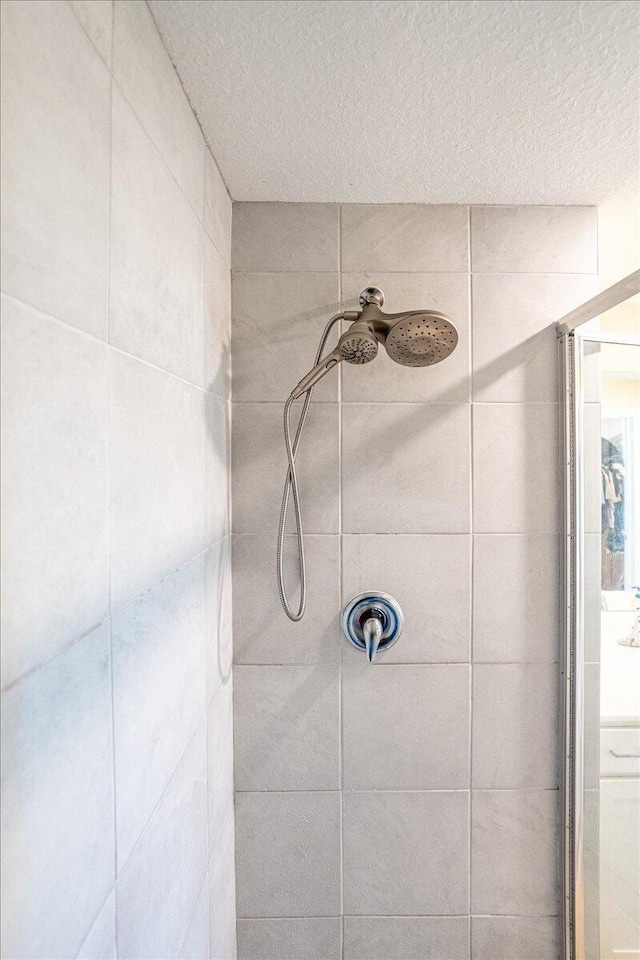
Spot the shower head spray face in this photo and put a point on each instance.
(358, 344)
(421, 339)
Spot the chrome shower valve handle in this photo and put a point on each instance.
(372, 621)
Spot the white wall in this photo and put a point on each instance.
(410, 808)
(116, 700)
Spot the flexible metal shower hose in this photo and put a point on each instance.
(291, 487)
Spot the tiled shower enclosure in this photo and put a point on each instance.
(407, 809)
(404, 810)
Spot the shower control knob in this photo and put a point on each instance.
(371, 295)
(372, 621)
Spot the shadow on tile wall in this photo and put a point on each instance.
(117, 812)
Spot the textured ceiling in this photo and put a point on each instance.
(459, 101)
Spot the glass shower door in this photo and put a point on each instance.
(603, 652)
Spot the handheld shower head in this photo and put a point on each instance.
(417, 338)
(358, 345)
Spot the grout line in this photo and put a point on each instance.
(401, 403)
(191, 107)
(116, 613)
(471, 558)
(108, 484)
(112, 893)
(42, 314)
(387, 533)
(205, 880)
(427, 272)
(340, 593)
(412, 916)
(199, 217)
(400, 663)
(353, 791)
(143, 830)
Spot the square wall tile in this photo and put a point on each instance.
(517, 587)
(217, 322)
(159, 888)
(217, 208)
(55, 165)
(385, 380)
(222, 894)
(406, 726)
(315, 938)
(430, 577)
(287, 728)
(55, 569)
(260, 467)
(516, 474)
(406, 853)
(515, 344)
(100, 943)
(405, 237)
(514, 853)
(534, 239)
(220, 760)
(158, 693)
(262, 632)
(285, 236)
(515, 725)
(218, 616)
(528, 938)
(155, 309)
(419, 481)
(96, 16)
(217, 463)
(288, 854)
(58, 840)
(406, 938)
(278, 319)
(144, 72)
(156, 475)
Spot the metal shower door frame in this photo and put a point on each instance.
(572, 342)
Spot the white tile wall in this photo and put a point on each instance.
(159, 693)
(442, 487)
(101, 940)
(55, 571)
(156, 468)
(58, 852)
(116, 619)
(163, 878)
(156, 255)
(55, 165)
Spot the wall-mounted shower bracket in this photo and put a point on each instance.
(371, 295)
(372, 621)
